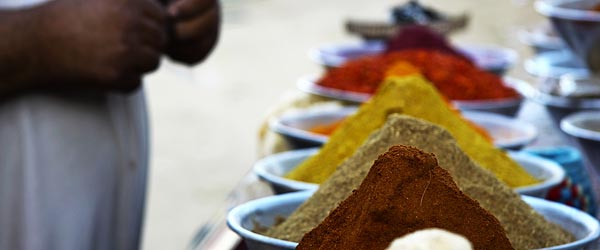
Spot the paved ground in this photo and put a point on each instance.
(205, 119)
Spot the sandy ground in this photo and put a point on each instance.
(205, 119)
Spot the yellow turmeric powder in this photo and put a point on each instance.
(410, 95)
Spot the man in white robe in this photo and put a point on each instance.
(73, 124)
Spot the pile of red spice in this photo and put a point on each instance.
(454, 77)
(405, 191)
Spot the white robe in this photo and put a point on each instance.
(73, 169)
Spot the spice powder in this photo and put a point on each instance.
(405, 191)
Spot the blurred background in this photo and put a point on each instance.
(205, 120)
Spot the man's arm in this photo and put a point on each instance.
(74, 44)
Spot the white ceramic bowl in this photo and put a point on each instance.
(273, 168)
(266, 211)
(492, 58)
(585, 128)
(507, 106)
(507, 132)
(295, 127)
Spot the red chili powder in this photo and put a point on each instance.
(405, 191)
(454, 77)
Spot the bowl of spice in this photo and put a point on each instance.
(415, 97)
(492, 58)
(309, 127)
(404, 151)
(585, 128)
(250, 220)
(454, 76)
(274, 168)
(509, 105)
(312, 127)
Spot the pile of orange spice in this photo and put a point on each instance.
(455, 77)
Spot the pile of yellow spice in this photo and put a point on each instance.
(410, 95)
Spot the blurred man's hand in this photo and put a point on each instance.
(195, 29)
(106, 44)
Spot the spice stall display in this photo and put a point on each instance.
(410, 95)
(525, 228)
(413, 193)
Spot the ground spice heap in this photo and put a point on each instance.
(410, 95)
(455, 77)
(525, 228)
(405, 191)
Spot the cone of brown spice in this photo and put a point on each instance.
(405, 191)
(525, 228)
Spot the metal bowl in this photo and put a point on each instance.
(272, 169)
(585, 128)
(558, 107)
(295, 127)
(577, 25)
(266, 211)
